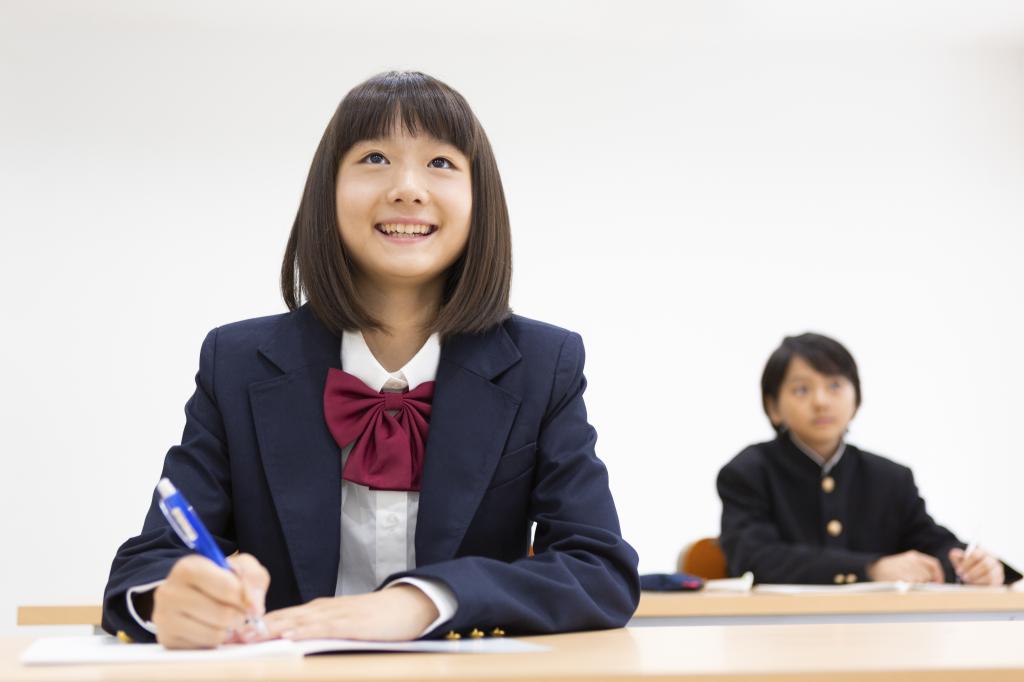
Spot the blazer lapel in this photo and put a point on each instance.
(299, 455)
(469, 424)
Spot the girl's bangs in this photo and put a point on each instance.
(414, 101)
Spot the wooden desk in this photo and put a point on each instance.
(697, 608)
(886, 652)
(60, 615)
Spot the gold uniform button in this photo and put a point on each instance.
(124, 637)
(834, 528)
(838, 579)
(851, 578)
(828, 484)
(497, 632)
(453, 635)
(476, 634)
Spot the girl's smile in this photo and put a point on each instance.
(405, 230)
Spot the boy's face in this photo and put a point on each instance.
(816, 407)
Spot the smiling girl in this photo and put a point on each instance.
(808, 507)
(378, 456)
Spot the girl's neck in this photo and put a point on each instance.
(405, 313)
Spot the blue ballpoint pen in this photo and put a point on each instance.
(185, 522)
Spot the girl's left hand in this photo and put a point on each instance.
(978, 568)
(396, 613)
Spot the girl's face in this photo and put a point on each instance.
(404, 206)
(816, 407)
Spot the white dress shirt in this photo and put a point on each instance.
(378, 527)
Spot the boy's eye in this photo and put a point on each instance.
(800, 390)
(375, 158)
(441, 162)
(834, 385)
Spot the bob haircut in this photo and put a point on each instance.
(824, 354)
(316, 265)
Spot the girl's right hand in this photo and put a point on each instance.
(201, 606)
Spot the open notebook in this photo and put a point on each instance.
(107, 649)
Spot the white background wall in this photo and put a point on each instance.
(688, 181)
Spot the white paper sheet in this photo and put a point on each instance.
(856, 588)
(107, 649)
(732, 585)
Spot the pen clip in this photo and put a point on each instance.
(176, 517)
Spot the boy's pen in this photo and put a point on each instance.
(193, 533)
(971, 546)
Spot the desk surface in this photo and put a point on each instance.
(703, 604)
(697, 604)
(909, 652)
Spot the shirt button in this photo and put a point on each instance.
(828, 484)
(834, 528)
(391, 520)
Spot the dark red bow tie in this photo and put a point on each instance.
(389, 430)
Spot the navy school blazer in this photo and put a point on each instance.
(509, 445)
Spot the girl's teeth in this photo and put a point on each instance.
(401, 228)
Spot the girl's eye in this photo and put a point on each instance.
(440, 162)
(800, 390)
(375, 158)
(834, 386)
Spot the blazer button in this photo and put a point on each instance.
(497, 632)
(453, 635)
(838, 579)
(828, 484)
(476, 634)
(834, 528)
(851, 578)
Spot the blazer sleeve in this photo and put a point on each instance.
(583, 575)
(752, 542)
(198, 467)
(925, 535)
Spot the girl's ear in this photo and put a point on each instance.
(772, 406)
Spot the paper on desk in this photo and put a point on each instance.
(857, 588)
(740, 584)
(852, 588)
(106, 649)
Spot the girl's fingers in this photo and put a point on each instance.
(200, 608)
(206, 577)
(255, 581)
(185, 632)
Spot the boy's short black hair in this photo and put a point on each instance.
(824, 354)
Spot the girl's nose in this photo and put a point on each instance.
(408, 188)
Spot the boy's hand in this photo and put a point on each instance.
(201, 605)
(393, 614)
(911, 566)
(977, 568)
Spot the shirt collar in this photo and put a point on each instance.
(826, 465)
(357, 360)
